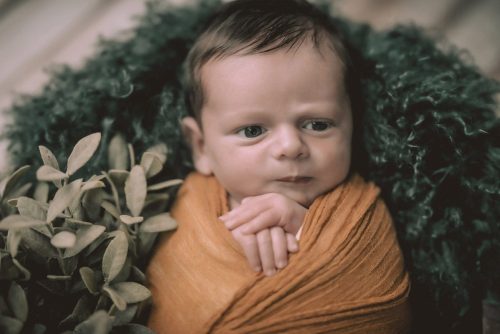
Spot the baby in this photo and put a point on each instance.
(271, 130)
(271, 118)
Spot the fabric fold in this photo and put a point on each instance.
(348, 276)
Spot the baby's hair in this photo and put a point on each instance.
(258, 26)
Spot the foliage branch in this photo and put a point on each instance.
(71, 255)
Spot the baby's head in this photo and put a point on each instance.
(270, 111)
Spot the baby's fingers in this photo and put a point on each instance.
(250, 248)
(292, 243)
(280, 249)
(266, 252)
(264, 220)
(239, 216)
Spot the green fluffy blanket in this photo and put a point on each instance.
(429, 133)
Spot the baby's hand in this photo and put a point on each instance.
(265, 226)
(260, 212)
(266, 250)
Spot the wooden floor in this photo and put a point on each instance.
(35, 34)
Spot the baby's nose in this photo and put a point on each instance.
(289, 144)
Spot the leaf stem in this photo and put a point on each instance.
(114, 191)
(132, 155)
(112, 310)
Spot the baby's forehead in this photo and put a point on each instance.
(279, 80)
(324, 51)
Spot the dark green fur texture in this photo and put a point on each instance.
(429, 133)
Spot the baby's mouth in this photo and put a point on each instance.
(296, 179)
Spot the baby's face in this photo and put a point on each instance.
(276, 122)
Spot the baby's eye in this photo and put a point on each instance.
(317, 125)
(251, 131)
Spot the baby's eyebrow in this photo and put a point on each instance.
(252, 113)
(320, 108)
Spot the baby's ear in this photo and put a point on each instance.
(194, 136)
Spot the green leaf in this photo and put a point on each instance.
(136, 190)
(12, 202)
(30, 208)
(13, 241)
(165, 185)
(82, 152)
(129, 220)
(131, 154)
(118, 176)
(161, 150)
(132, 292)
(115, 256)
(111, 208)
(158, 223)
(157, 200)
(124, 273)
(63, 198)
(118, 153)
(92, 203)
(94, 184)
(18, 302)
(10, 325)
(146, 243)
(59, 277)
(41, 193)
(95, 245)
(38, 243)
(48, 157)
(137, 275)
(22, 269)
(43, 229)
(89, 279)
(12, 181)
(75, 207)
(98, 323)
(48, 173)
(22, 190)
(64, 239)
(19, 222)
(126, 316)
(151, 163)
(76, 223)
(84, 237)
(119, 302)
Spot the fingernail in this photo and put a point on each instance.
(270, 272)
(256, 268)
(281, 264)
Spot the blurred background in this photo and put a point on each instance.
(38, 34)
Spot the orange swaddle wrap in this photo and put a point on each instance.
(347, 277)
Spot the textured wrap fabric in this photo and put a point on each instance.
(348, 276)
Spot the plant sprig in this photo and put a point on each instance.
(95, 230)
